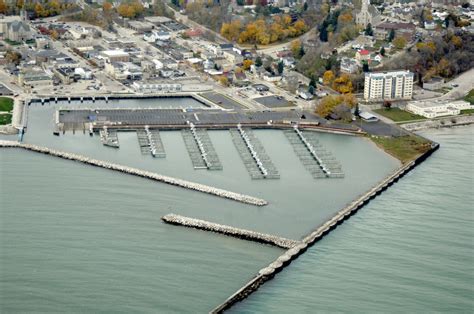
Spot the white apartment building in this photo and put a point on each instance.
(388, 85)
(434, 109)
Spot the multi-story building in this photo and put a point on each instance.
(388, 85)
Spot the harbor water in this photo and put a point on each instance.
(409, 250)
(77, 238)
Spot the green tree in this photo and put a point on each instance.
(281, 67)
(365, 66)
(258, 61)
(391, 35)
(382, 51)
(368, 30)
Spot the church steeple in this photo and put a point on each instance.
(365, 5)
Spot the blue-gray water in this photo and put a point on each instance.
(410, 250)
(78, 238)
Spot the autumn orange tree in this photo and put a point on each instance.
(246, 64)
(328, 103)
(328, 77)
(3, 7)
(342, 84)
(262, 31)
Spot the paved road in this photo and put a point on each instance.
(465, 82)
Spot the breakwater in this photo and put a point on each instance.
(229, 231)
(288, 256)
(141, 173)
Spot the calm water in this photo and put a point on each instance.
(409, 250)
(75, 238)
(78, 238)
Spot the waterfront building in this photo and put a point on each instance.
(434, 109)
(158, 87)
(388, 85)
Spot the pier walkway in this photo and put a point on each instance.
(200, 149)
(246, 199)
(253, 154)
(150, 142)
(319, 162)
(229, 231)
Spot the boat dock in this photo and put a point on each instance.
(319, 162)
(200, 148)
(229, 231)
(242, 198)
(253, 154)
(109, 137)
(150, 142)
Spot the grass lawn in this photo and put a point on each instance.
(404, 148)
(5, 118)
(470, 97)
(397, 115)
(6, 104)
(467, 111)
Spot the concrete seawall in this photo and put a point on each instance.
(229, 231)
(141, 173)
(444, 122)
(286, 258)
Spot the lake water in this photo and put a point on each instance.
(78, 238)
(409, 250)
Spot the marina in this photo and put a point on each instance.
(285, 259)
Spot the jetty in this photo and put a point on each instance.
(246, 199)
(229, 231)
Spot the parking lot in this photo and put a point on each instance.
(274, 102)
(222, 101)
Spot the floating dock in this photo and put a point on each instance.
(200, 149)
(253, 154)
(109, 137)
(246, 199)
(229, 231)
(150, 142)
(319, 162)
